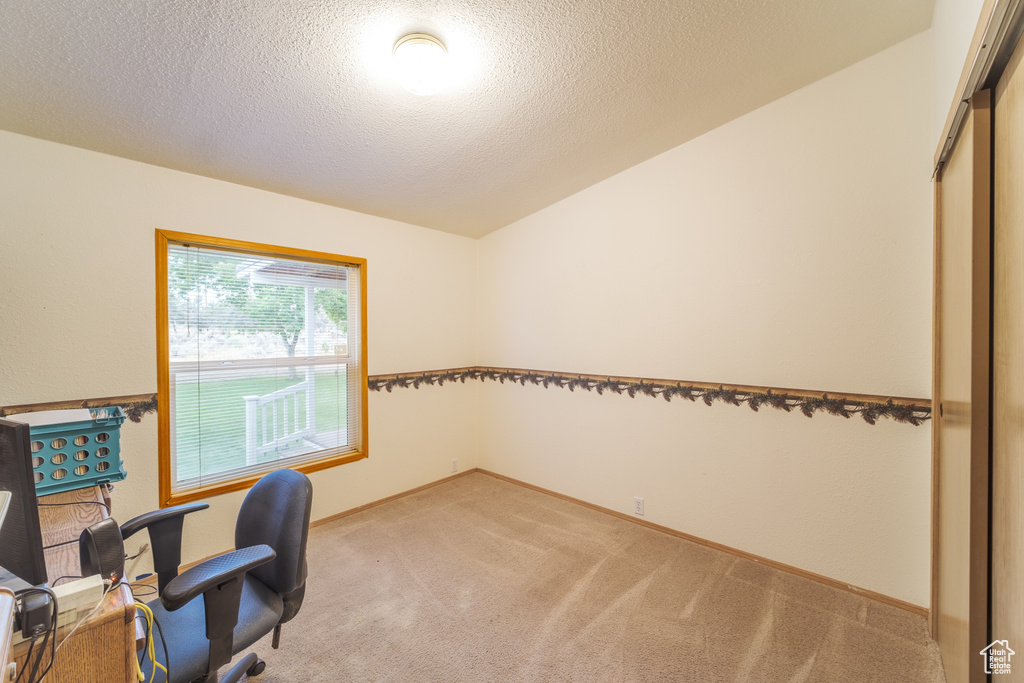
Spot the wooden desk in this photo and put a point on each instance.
(103, 648)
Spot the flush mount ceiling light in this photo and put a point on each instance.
(421, 63)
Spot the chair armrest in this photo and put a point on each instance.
(212, 574)
(148, 519)
(165, 536)
(219, 581)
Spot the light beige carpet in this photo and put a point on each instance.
(481, 580)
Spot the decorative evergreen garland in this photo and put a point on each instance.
(910, 412)
(134, 407)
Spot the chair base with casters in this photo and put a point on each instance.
(246, 594)
(251, 665)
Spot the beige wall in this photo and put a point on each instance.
(77, 311)
(953, 25)
(790, 247)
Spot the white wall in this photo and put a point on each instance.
(953, 25)
(77, 311)
(792, 248)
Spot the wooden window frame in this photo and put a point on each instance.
(164, 239)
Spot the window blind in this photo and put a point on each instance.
(264, 362)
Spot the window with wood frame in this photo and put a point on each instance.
(262, 362)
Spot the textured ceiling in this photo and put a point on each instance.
(295, 96)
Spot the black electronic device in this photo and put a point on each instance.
(101, 551)
(21, 540)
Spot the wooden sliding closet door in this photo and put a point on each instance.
(961, 398)
(1008, 365)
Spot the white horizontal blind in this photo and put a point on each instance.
(264, 363)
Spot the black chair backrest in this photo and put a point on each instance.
(276, 512)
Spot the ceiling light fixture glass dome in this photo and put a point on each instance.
(421, 63)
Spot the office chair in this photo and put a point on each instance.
(246, 593)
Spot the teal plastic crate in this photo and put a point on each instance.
(73, 455)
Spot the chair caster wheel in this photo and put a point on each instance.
(256, 669)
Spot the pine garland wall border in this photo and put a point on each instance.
(133, 405)
(871, 408)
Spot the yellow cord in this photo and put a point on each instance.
(150, 646)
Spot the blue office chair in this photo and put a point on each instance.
(246, 593)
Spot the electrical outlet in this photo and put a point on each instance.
(638, 506)
(455, 464)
